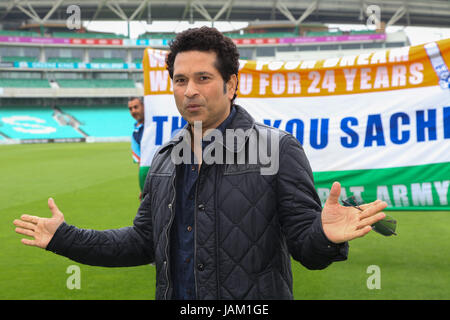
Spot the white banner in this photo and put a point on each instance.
(379, 122)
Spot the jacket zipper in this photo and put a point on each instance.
(217, 234)
(195, 234)
(171, 208)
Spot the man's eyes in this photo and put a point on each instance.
(201, 78)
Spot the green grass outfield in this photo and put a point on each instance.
(96, 187)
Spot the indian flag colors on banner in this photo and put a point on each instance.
(379, 123)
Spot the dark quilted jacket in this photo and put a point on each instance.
(247, 225)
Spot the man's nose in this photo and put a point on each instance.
(191, 90)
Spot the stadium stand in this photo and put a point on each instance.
(25, 122)
(24, 83)
(107, 60)
(156, 36)
(114, 119)
(17, 33)
(32, 122)
(262, 35)
(96, 83)
(19, 58)
(64, 60)
(323, 33)
(87, 35)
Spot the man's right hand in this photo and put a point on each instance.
(41, 229)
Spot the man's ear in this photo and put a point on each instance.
(231, 86)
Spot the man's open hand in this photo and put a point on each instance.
(342, 224)
(41, 229)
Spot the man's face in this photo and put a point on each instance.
(199, 89)
(136, 110)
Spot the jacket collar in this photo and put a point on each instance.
(241, 120)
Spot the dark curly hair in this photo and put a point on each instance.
(207, 39)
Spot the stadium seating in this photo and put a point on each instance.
(362, 32)
(323, 33)
(102, 121)
(19, 58)
(24, 122)
(33, 123)
(64, 60)
(96, 83)
(156, 36)
(107, 60)
(261, 35)
(88, 35)
(24, 83)
(18, 33)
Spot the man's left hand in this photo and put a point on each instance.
(342, 224)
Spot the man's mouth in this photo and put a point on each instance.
(193, 107)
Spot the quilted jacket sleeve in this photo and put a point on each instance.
(300, 210)
(124, 247)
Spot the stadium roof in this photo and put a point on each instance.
(433, 13)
